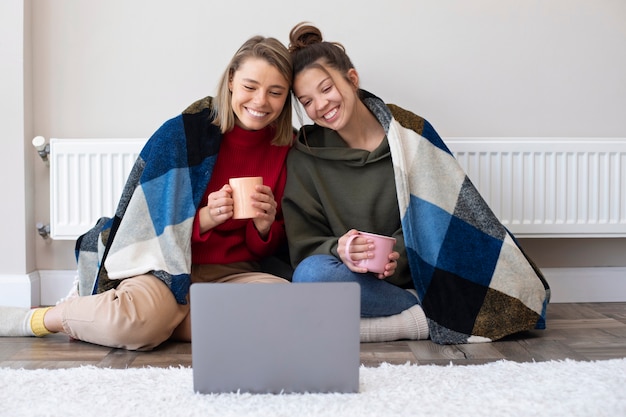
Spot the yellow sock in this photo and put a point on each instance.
(36, 322)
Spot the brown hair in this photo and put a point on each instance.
(277, 55)
(309, 49)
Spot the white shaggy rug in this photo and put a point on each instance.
(563, 388)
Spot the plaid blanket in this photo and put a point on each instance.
(151, 229)
(473, 279)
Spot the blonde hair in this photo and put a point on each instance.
(277, 55)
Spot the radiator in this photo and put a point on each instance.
(86, 181)
(537, 187)
(550, 187)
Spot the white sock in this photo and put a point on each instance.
(410, 324)
(15, 321)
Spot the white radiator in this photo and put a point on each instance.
(538, 187)
(550, 187)
(86, 181)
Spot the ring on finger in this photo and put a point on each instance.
(219, 210)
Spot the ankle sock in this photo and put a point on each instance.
(410, 324)
(36, 322)
(22, 321)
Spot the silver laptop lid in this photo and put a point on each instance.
(275, 338)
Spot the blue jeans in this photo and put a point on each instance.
(378, 297)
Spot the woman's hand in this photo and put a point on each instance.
(358, 250)
(391, 266)
(263, 200)
(361, 248)
(218, 209)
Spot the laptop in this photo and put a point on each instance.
(275, 338)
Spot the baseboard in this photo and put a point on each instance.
(587, 285)
(568, 285)
(39, 288)
(20, 290)
(55, 285)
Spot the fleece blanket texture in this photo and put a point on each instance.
(473, 279)
(151, 229)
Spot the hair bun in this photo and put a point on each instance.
(303, 35)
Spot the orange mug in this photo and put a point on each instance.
(243, 188)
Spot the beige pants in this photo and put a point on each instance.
(141, 313)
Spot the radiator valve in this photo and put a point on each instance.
(43, 230)
(43, 148)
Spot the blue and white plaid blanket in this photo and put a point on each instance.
(474, 281)
(152, 226)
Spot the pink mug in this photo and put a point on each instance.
(383, 246)
(243, 188)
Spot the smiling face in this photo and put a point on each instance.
(259, 92)
(328, 98)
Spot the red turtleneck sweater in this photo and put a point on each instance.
(243, 153)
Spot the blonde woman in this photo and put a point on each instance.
(174, 224)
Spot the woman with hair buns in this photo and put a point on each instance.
(456, 275)
(174, 224)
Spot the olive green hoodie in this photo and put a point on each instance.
(332, 188)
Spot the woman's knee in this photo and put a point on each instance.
(150, 321)
(139, 315)
(322, 268)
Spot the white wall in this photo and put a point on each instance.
(472, 67)
(17, 246)
(119, 68)
(12, 108)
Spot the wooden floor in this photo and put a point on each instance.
(583, 332)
